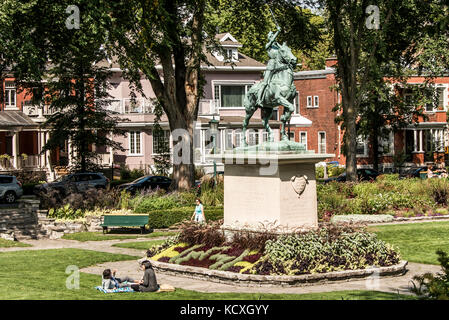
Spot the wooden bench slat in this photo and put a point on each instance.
(124, 221)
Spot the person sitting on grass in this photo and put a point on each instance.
(109, 281)
(148, 283)
(198, 214)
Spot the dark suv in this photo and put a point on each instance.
(76, 182)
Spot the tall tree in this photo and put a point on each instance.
(250, 21)
(56, 55)
(365, 37)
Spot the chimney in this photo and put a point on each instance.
(331, 62)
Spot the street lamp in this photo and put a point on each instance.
(213, 131)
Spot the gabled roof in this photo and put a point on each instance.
(226, 39)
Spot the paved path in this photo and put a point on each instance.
(388, 284)
(103, 246)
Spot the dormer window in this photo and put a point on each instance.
(230, 47)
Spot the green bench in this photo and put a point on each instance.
(136, 220)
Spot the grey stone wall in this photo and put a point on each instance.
(21, 222)
(29, 222)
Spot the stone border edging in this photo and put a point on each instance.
(419, 218)
(252, 280)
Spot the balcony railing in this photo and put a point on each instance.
(35, 110)
(130, 106)
(208, 107)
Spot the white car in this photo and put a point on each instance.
(10, 188)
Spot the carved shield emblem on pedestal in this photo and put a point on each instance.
(299, 184)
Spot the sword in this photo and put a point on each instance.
(274, 18)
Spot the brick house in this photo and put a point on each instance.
(313, 120)
(414, 145)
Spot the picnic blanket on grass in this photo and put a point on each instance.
(162, 288)
(124, 289)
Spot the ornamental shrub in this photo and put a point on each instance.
(159, 219)
(439, 190)
(433, 287)
(324, 251)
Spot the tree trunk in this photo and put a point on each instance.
(351, 145)
(375, 144)
(183, 165)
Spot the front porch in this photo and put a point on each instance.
(426, 144)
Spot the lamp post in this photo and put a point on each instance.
(213, 131)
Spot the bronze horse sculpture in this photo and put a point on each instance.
(278, 91)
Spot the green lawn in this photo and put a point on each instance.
(417, 242)
(99, 236)
(9, 244)
(142, 245)
(41, 275)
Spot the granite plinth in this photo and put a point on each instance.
(270, 190)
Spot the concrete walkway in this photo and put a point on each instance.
(103, 246)
(398, 284)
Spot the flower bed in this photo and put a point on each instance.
(387, 195)
(331, 248)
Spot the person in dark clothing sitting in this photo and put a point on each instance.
(148, 283)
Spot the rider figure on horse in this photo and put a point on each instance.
(273, 65)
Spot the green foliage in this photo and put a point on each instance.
(186, 252)
(439, 189)
(65, 212)
(229, 264)
(331, 171)
(387, 194)
(145, 204)
(131, 175)
(207, 253)
(323, 251)
(434, 287)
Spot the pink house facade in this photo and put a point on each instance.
(227, 81)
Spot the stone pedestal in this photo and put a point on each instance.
(270, 190)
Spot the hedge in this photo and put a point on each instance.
(116, 183)
(28, 188)
(166, 218)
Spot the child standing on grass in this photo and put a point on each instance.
(198, 214)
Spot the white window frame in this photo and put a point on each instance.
(316, 101)
(169, 142)
(293, 136)
(221, 83)
(309, 101)
(300, 135)
(131, 145)
(390, 144)
(296, 103)
(237, 138)
(10, 91)
(365, 147)
(320, 143)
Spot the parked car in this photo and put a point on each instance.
(146, 182)
(412, 172)
(362, 175)
(78, 182)
(10, 188)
